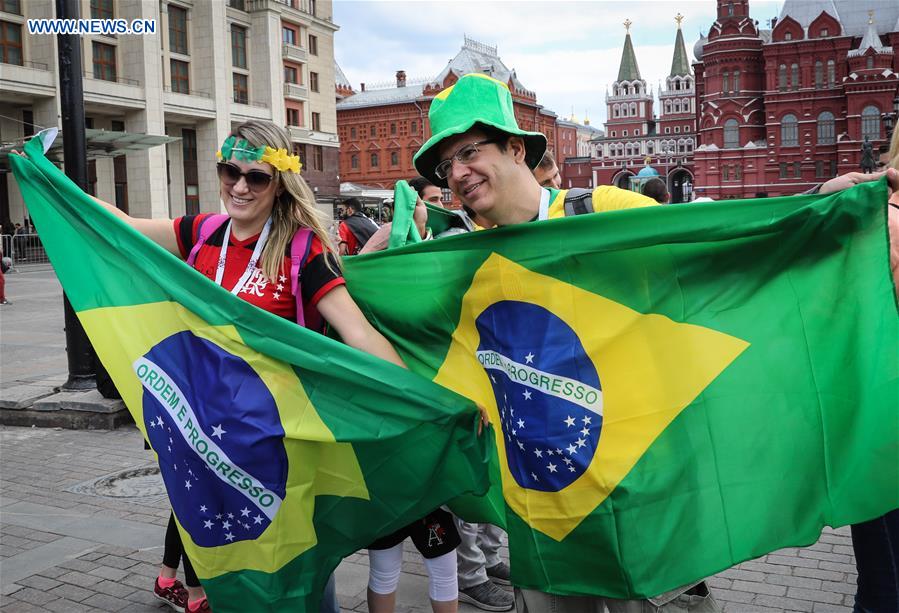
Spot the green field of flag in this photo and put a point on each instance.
(282, 451)
(674, 390)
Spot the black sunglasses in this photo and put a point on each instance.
(229, 174)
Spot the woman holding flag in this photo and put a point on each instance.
(271, 236)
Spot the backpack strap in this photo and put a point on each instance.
(578, 201)
(299, 252)
(208, 226)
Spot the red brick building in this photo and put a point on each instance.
(381, 128)
(784, 109)
(635, 138)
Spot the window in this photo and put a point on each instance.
(289, 36)
(731, 134)
(826, 131)
(613, 133)
(177, 29)
(299, 150)
(11, 6)
(241, 91)
(240, 5)
(394, 158)
(290, 74)
(313, 44)
(725, 82)
(738, 172)
(637, 132)
(730, 9)
(819, 74)
(317, 122)
(725, 173)
(871, 123)
(736, 86)
(10, 43)
(393, 128)
(794, 76)
(317, 158)
(313, 81)
(413, 128)
(783, 170)
(831, 73)
(353, 133)
(100, 9)
(819, 169)
(782, 77)
(373, 131)
(788, 36)
(789, 131)
(870, 62)
(104, 62)
(677, 129)
(180, 77)
(354, 161)
(797, 169)
(312, 7)
(824, 32)
(191, 181)
(238, 47)
(624, 133)
(374, 160)
(293, 117)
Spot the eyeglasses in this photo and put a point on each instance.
(229, 174)
(465, 155)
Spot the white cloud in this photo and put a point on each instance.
(568, 52)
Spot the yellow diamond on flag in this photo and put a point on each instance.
(228, 424)
(577, 386)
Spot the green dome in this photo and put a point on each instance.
(648, 171)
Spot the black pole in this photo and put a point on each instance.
(71, 94)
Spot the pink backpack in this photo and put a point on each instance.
(299, 251)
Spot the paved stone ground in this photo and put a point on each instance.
(64, 548)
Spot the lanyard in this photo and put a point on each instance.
(251, 265)
(544, 205)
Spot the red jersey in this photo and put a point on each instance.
(346, 236)
(272, 295)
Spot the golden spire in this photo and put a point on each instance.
(627, 25)
(870, 17)
(678, 18)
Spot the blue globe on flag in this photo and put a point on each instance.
(547, 392)
(216, 429)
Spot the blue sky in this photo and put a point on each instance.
(566, 51)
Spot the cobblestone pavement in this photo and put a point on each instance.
(76, 537)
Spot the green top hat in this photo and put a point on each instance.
(474, 99)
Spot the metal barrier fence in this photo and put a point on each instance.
(24, 249)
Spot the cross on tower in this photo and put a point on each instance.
(678, 18)
(627, 25)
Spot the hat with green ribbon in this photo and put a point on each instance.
(473, 99)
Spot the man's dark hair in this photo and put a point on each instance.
(353, 203)
(656, 189)
(419, 184)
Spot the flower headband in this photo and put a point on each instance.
(233, 149)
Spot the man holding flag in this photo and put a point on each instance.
(584, 498)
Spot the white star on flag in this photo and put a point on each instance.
(521, 445)
(230, 515)
(529, 358)
(226, 524)
(534, 477)
(218, 516)
(159, 420)
(581, 442)
(538, 453)
(188, 484)
(244, 512)
(551, 467)
(521, 423)
(571, 449)
(569, 421)
(229, 536)
(585, 431)
(207, 524)
(587, 419)
(153, 424)
(527, 394)
(567, 461)
(257, 519)
(203, 509)
(218, 431)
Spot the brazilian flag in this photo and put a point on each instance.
(674, 389)
(282, 450)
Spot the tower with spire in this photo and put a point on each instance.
(630, 105)
(677, 100)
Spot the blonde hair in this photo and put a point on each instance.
(294, 206)
(894, 149)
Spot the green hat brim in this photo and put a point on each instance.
(427, 158)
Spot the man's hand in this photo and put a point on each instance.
(420, 217)
(851, 179)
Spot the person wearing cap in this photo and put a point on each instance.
(480, 153)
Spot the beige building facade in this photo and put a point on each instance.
(208, 66)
